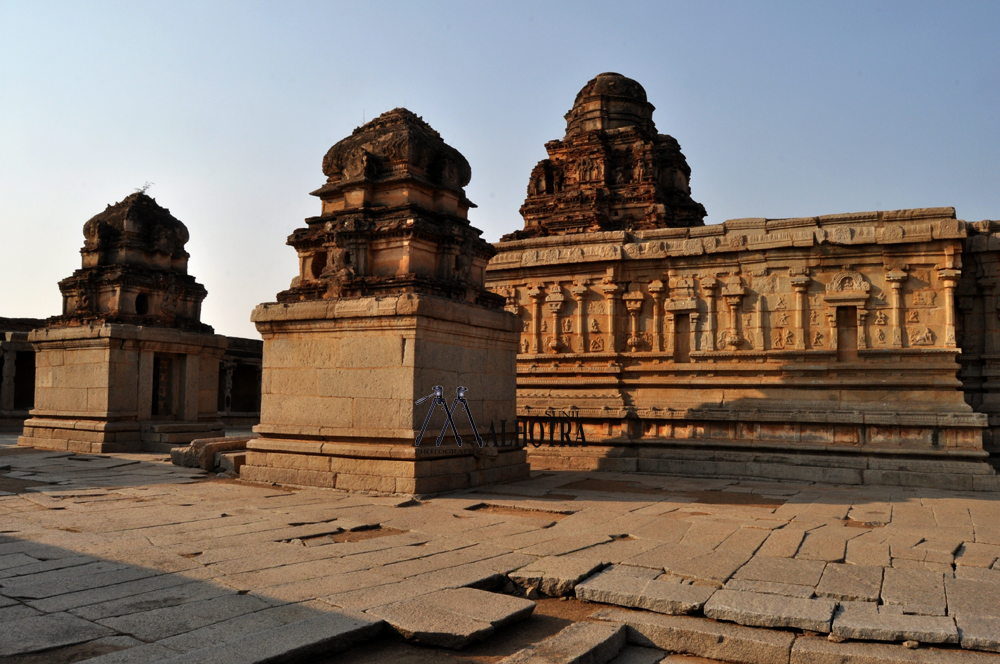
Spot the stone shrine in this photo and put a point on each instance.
(817, 348)
(128, 365)
(389, 302)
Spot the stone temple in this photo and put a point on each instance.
(128, 365)
(389, 301)
(850, 348)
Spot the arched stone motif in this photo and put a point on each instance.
(848, 281)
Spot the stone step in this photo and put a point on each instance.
(763, 610)
(453, 618)
(814, 650)
(701, 637)
(321, 635)
(580, 643)
(623, 587)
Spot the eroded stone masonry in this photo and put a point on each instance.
(821, 347)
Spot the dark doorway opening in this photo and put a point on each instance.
(847, 334)
(682, 338)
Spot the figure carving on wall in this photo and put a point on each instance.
(782, 319)
(525, 345)
(897, 337)
(780, 304)
(545, 326)
(880, 335)
(594, 327)
(925, 338)
(817, 339)
(526, 325)
(924, 298)
(813, 317)
(597, 344)
(880, 318)
(789, 338)
(567, 325)
(913, 317)
(776, 340)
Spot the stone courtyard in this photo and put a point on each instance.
(126, 558)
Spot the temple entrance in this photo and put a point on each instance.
(847, 334)
(164, 387)
(682, 338)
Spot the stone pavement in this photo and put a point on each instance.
(126, 558)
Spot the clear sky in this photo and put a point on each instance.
(782, 109)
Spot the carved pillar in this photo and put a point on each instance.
(612, 293)
(708, 286)
(693, 317)
(7, 381)
(801, 285)
(227, 384)
(633, 302)
(831, 319)
(896, 277)
(862, 334)
(537, 295)
(949, 278)
(656, 289)
(668, 324)
(555, 301)
(579, 292)
(733, 291)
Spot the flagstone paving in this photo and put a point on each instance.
(128, 558)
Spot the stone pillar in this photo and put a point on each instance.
(862, 334)
(191, 377)
(949, 278)
(612, 293)
(145, 391)
(633, 302)
(831, 319)
(656, 289)
(896, 277)
(669, 324)
(708, 286)
(579, 293)
(7, 381)
(555, 301)
(537, 295)
(801, 284)
(693, 317)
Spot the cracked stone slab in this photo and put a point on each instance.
(298, 641)
(45, 632)
(895, 627)
(453, 618)
(580, 643)
(717, 567)
(159, 624)
(762, 610)
(854, 583)
(614, 586)
(703, 638)
(917, 591)
(556, 575)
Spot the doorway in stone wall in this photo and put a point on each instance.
(847, 334)
(164, 387)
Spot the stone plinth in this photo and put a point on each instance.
(339, 385)
(115, 388)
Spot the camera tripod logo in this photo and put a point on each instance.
(439, 400)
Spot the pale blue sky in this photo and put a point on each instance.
(782, 109)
